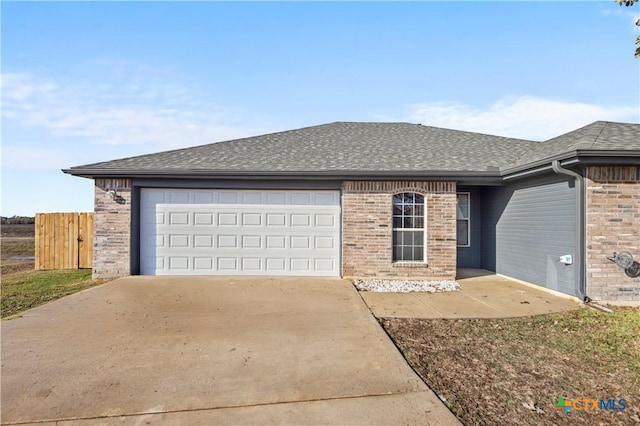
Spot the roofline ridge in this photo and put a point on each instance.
(595, 140)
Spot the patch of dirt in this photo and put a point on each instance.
(25, 231)
(17, 248)
(512, 371)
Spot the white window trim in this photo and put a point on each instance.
(468, 219)
(424, 232)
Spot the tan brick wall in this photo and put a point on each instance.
(367, 230)
(613, 225)
(112, 228)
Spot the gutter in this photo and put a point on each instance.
(580, 280)
(586, 156)
(489, 175)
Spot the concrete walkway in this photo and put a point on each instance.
(483, 294)
(209, 350)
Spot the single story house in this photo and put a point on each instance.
(387, 200)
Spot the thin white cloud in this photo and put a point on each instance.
(124, 111)
(35, 159)
(630, 15)
(525, 117)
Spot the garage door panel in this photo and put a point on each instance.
(203, 218)
(178, 241)
(326, 264)
(205, 197)
(276, 198)
(179, 262)
(160, 218)
(178, 197)
(300, 264)
(252, 219)
(253, 236)
(325, 220)
(276, 264)
(327, 198)
(303, 198)
(203, 263)
(203, 241)
(252, 264)
(276, 242)
(299, 242)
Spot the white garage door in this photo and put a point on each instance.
(239, 232)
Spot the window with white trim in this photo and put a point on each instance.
(408, 227)
(463, 221)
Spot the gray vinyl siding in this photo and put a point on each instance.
(470, 257)
(526, 227)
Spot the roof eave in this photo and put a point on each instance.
(580, 156)
(284, 175)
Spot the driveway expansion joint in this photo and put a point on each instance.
(192, 410)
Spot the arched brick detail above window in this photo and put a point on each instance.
(394, 187)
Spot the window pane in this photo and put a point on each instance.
(462, 210)
(397, 222)
(408, 222)
(418, 222)
(397, 210)
(418, 238)
(418, 210)
(397, 199)
(419, 199)
(408, 197)
(418, 253)
(397, 254)
(409, 238)
(407, 253)
(463, 232)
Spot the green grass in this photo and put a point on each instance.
(30, 289)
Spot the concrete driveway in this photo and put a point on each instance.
(209, 350)
(483, 294)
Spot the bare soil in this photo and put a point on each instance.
(512, 371)
(17, 248)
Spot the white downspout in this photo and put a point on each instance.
(580, 280)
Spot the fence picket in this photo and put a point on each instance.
(58, 244)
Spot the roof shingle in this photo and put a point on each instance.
(349, 147)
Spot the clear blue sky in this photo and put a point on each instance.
(93, 81)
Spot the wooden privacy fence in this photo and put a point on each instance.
(64, 240)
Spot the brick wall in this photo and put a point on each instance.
(112, 228)
(613, 225)
(367, 230)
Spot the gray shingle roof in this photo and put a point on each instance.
(356, 148)
(601, 135)
(337, 147)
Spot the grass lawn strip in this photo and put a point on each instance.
(512, 371)
(26, 290)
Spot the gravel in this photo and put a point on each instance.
(406, 286)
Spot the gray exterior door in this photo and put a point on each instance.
(526, 227)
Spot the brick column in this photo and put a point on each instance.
(112, 228)
(367, 230)
(613, 225)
